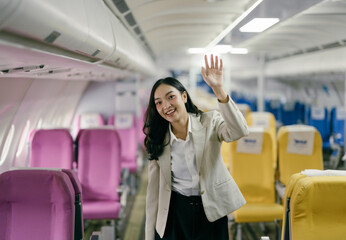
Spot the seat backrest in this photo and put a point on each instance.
(36, 204)
(251, 166)
(318, 204)
(125, 125)
(274, 106)
(319, 118)
(299, 148)
(51, 148)
(79, 226)
(338, 116)
(268, 122)
(99, 156)
(290, 113)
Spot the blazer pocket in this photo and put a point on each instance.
(221, 183)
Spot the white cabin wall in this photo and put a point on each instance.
(27, 104)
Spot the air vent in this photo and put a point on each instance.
(121, 5)
(313, 49)
(137, 30)
(130, 19)
(96, 52)
(331, 45)
(52, 37)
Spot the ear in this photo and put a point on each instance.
(184, 96)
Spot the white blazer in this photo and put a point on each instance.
(220, 194)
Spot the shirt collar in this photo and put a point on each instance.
(174, 138)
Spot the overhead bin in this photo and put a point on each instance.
(78, 25)
(129, 53)
(85, 27)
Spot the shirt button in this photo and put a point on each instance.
(202, 192)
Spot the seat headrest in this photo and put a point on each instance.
(253, 142)
(300, 139)
(124, 121)
(317, 113)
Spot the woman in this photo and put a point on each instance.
(190, 191)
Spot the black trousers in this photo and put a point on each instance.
(187, 221)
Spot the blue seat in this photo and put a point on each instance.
(338, 116)
(274, 106)
(319, 118)
(290, 113)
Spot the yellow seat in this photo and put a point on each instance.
(251, 168)
(226, 154)
(267, 121)
(315, 208)
(299, 148)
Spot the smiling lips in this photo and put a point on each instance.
(170, 112)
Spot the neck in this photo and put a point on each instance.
(180, 128)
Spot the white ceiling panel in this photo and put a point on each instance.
(319, 27)
(167, 26)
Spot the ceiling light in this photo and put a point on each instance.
(239, 51)
(258, 24)
(218, 49)
(233, 24)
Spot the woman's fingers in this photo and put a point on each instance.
(206, 62)
(213, 65)
(211, 61)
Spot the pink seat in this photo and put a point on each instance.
(99, 171)
(141, 125)
(88, 120)
(36, 204)
(79, 226)
(52, 148)
(125, 124)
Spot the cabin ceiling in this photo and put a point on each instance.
(171, 27)
(320, 27)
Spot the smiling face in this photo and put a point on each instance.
(170, 103)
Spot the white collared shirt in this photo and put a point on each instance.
(185, 178)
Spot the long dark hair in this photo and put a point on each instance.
(156, 127)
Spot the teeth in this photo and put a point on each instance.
(170, 112)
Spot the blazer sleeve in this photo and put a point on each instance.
(152, 199)
(232, 124)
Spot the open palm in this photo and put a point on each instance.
(212, 74)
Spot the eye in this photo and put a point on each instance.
(158, 103)
(171, 96)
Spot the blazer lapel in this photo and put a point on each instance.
(165, 162)
(198, 135)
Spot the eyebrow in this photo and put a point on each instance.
(165, 95)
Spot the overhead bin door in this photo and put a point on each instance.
(81, 25)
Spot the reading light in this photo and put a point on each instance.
(258, 24)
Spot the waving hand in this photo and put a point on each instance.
(212, 75)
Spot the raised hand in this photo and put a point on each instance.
(212, 75)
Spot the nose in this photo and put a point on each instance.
(166, 105)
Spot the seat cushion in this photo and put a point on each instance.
(101, 210)
(259, 212)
